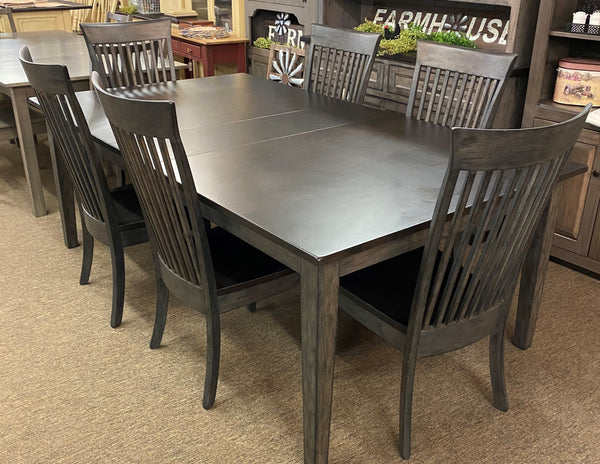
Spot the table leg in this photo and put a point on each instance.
(64, 193)
(19, 97)
(319, 302)
(242, 60)
(534, 273)
(208, 61)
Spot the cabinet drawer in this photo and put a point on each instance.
(190, 51)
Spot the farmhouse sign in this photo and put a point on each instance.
(283, 31)
(487, 28)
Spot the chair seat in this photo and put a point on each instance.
(388, 286)
(228, 252)
(127, 206)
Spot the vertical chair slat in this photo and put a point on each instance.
(432, 101)
(424, 93)
(443, 101)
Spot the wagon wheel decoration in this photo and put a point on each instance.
(288, 67)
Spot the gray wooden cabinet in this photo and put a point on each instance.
(577, 233)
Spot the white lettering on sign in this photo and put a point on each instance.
(292, 38)
(488, 31)
(391, 20)
(377, 18)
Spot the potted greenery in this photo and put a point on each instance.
(404, 41)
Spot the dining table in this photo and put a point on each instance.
(326, 187)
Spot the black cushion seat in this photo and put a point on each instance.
(228, 251)
(373, 284)
(127, 206)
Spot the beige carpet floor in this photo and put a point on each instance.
(73, 390)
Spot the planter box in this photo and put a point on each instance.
(258, 61)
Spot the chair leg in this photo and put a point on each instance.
(251, 307)
(162, 306)
(213, 353)
(88, 255)
(497, 370)
(409, 365)
(118, 265)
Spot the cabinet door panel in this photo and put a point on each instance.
(594, 252)
(579, 201)
(400, 79)
(376, 77)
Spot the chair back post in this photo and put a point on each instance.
(133, 53)
(52, 86)
(457, 86)
(339, 62)
(7, 11)
(112, 17)
(496, 187)
(148, 137)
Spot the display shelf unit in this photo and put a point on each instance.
(577, 233)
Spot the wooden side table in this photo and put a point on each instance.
(210, 52)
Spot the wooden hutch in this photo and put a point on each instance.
(577, 234)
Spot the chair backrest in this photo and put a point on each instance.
(286, 65)
(133, 53)
(11, 21)
(497, 185)
(339, 62)
(100, 8)
(457, 86)
(52, 86)
(148, 136)
(112, 17)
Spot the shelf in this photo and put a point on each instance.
(573, 35)
(557, 112)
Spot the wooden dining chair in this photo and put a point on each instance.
(458, 288)
(339, 62)
(113, 217)
(7, 11)
(112, 17)
(132, 53)
(286, 65)
(457, 86)
(207, 268)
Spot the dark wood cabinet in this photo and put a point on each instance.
(577, 233)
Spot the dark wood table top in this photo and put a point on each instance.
(45, 47)
(320, 177)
